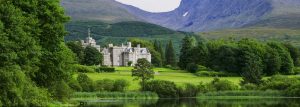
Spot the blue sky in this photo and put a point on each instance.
(153, 5)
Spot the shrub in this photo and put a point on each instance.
(296, 70)
(164, 89)
(249, 86)
(85, 82)
(294, 90)
(278, 82)
(84, 69)
(189, 90)
(105, 69)
(214, 74)
(192, 67)
(221, 85)
(104, 85)
(61, 91)
(74, 85)
(120, 85)
(202, 88)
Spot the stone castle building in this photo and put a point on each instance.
(118, 55)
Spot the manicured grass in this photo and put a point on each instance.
(178, 76)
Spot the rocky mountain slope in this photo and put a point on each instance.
(195, 15)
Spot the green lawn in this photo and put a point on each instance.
(177, 76)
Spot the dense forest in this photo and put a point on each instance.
(35, 64)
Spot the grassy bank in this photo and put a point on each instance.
(78, 96)
(241, 94)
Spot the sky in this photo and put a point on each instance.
(153, 5)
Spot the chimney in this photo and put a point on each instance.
(139, 46)
(110, 45)
(122, 45)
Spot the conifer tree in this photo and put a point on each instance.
(170, 54)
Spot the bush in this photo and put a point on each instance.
(84, 69)
(120, 85)
(278, 82)
(214, 74)
(189, 90)
(249, 86)
(192, 67)
(221, 85)
(85, 82)
(164, 89)
(104, 85)
(296, 70)
(74, 85)
(61, 91)
(106, 69)
(294, 90)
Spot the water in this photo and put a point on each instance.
(279, 102)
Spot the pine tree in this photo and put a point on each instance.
(162, 53)
(188, 43)
(170, 54)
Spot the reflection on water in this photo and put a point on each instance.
(197, 103)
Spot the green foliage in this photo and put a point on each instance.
(76, 48)
(116, 95)
(272, 61)
(164, 89)
(106, 69)
(278, 82)
(189, 90)
(214, 74)
(249, 86)
(251, 61)
(295, 53)
(188, 43)
(104, 85)
(200, 54)
(18, 90)
(294, 90)
(85, 82)
(192, 67)
(123, 29)
(268, 93)
(120, 85)
(155, 55)
(143, 71)
(74, 85)
(83, 69)
(221, 85)
(92, 56)
(61, 91)
(286, 60)
(170, 54)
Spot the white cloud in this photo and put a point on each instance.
(153, 5)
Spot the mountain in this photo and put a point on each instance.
(195, 15)
(100, 10)
(207, 15)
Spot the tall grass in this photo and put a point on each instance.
(244, 93)
(113, 95)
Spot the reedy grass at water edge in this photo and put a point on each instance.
(113, 95)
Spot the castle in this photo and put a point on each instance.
(124, 55)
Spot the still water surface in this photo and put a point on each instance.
(279, 102)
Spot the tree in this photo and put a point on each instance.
(143, 71)
(155, 56)
(85, 82)
(92, 56)
(251, 54)
(226, 58)
(272, 61)
(188, 43)
(170, 54)
(76, 48)
(200, 54)
(285, 57)
(295, 53)
(162, 53)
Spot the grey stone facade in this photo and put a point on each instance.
(122, 55)
(118, 55)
